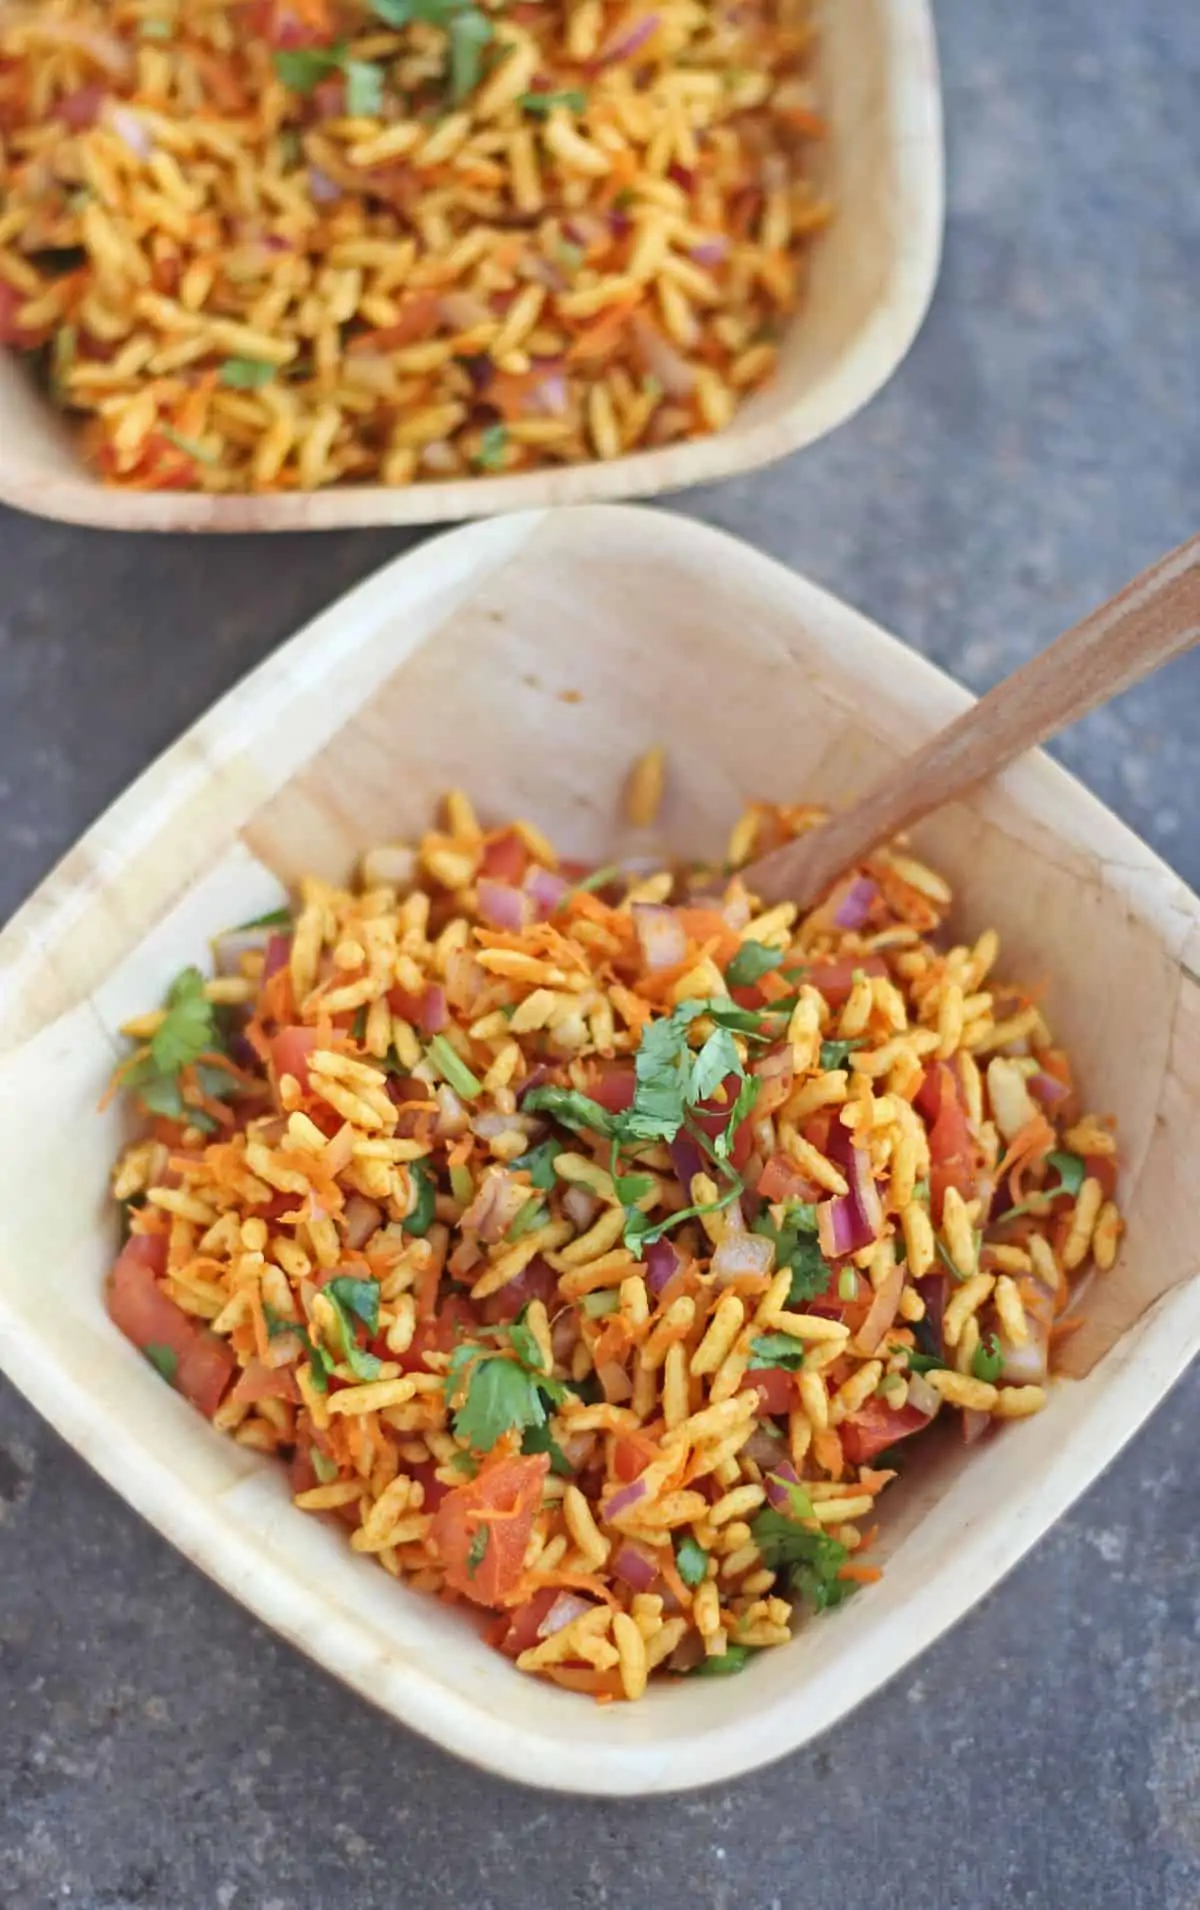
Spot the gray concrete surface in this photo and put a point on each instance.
(157, 1748)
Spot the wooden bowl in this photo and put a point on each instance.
(441, 670)
(873, 274)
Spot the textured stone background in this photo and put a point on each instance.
(157, 1748)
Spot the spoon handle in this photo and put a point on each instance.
(1148, 623)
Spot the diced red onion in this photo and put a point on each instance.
(498, 1200)
(855, 1218)
(710, 251)
(673, 372)
(688, 1653)
(616, 1382)
(628, 40)
(545, 888)
(662, 1264)
(740, 1254)
(323, 189)
(840, 1228)
(932, 1288)
(434, 1013)
(631, 1565)
(777, 1481)
(452, 1119)
(439, 456)
(776, 1072)
(924, 1397)
(488, 1126)
(466, 1256)
(1047, 1088)
(564, 1332)
(81, 109)
(580, 1207)
(543, 271)
(855, 901)
(974, 1425)
(390, 865)
(567, 1607)
(661, 935)
(765, 1449)
(503, 907)
(362, 1218)
(687, 1161)
(130, 130)
(682, 176)
(1025, 1365)
(736, 909)
(232, 944)
(549, 394)
(625, 1498)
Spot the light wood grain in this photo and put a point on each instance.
(1149, 623)
(871, 281)
(528, 659)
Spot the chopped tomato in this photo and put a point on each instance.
(537, 1281)
(418, 321)
(454, 1317)
(1102, 1167)
(203, 1364)
(506, 859)
(501, 1501)
(781, 1179)
(406, 1003)
(953, 1156)
(290, 1050)
(435, 1491)
(632, 1453)
(260, 1381)
(291, 23)
(834, 980)
(776, 1389)
(160, 465)
(875, 1426)
(614, 1089)
(522, 1631)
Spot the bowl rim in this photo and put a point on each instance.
(859, 373)
(1129, 1383)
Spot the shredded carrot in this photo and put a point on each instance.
(861, 1574)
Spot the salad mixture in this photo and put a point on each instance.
(590, 1242)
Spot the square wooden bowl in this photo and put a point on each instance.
(440, 671)
(873, 274)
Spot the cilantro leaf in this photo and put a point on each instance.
(325, 1469)
(641, 1231)
(776, 1349)
(753, 960)
(501, 1397)
(812, 1560)
(442, 1054)
(352, 1300)
(420, 1220)
(834, 1053)
(570, 1109)
(320, 1364)
(987, 1362)
(795, 1247)
(527, 1219)
(164, 1360)
(923, 1362)
(1072, 1172)
(274, 918)
(538, 1163)
(691, 1560)
(470, 31)
(478, 1551)
(189, 1026)
(541, 1439)
(493, 447)
(747, 1095)
(250, 374)
(716, 1060)
(301, 68)
(542, 103)
(364, 89)
(733, 1658)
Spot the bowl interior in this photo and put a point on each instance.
(529, 661)
(872, 275)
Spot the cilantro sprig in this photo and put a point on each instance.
(796, 1247)
(811, 1559)
(752, 961)
(505, 1391)
(189, 1028)
(1072, 1172)
(776, 1349)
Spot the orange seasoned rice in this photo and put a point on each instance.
(281, 244)
(589, 1242)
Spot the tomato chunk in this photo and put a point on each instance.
(836, 979)
(522, 1631)
(776, 1389)
(712, 1117)
(203, 1364)
(781, 1179)
(501, 1501)
(875, 1426)
(632, 1453)
(953, 1156)
(506, 859)
(290, 1050)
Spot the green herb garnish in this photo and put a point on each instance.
(540, 104)
(164, 1361)
(274, 918)
(691, 1560)
(987, 1362)
(453, 1069)
(834, 1053)
(1072, 1172)
(776, 1349)
(478, 1551)
(493, 447)
(538, 1163)
(752, 961)
(248, 374)
(796, 1247)
(351, 1300)
(421, 1218)
(812, 1560)
(500, 1394)
(325, 1469)
(725, 1663)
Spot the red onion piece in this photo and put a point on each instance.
(855, 1218)
(81, 109)
(232, 944)
(550, 395)
(924, 1397)
(580, 1207)
(434, 1013)
(545, 889)
(278, 954)
(840, 1228)
(775, 1071)
(661, 935)
(1025, 1365)
(632, 1566)
(687, 1161)
(453, 1118)
(853, 900)
(766, 1450)
(1047, 1089)
(933, 1289)
(501, 906)
(710, 251)
(322, 187)
(661, 359)
(628, 39)
(625, 1498)
(498, 1200)
(974, 1425)
(662, 1264)
(130, 130)
(777, 1481)
(740, 1254)
(567, 1607)
(363, 1218)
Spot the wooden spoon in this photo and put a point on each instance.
(1154, 619)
